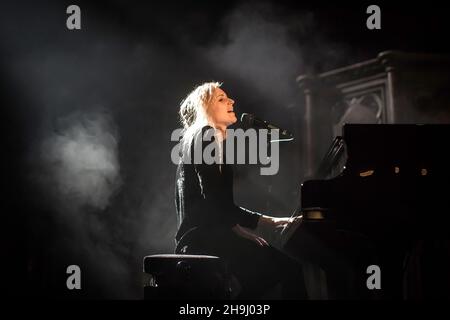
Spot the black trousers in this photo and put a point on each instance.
(258, 269)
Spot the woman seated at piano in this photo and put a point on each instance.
(209, 222)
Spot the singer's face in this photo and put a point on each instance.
(220, 110)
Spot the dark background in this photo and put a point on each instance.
(87, 117)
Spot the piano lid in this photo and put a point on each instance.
(413, 145)
(365, 146)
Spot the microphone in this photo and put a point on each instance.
(249, 120)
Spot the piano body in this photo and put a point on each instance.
(381, 197)
(379, 194)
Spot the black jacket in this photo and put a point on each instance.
(204, 196)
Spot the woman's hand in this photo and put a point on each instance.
(277, 224)
(244, 233)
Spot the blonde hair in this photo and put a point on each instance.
(193, 114)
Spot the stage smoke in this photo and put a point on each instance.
(83, 160)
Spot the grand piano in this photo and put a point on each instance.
(380, 198)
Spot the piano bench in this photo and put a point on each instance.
(184, 276)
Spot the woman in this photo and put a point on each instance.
(209, 221)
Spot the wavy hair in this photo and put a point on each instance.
(193, 112)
